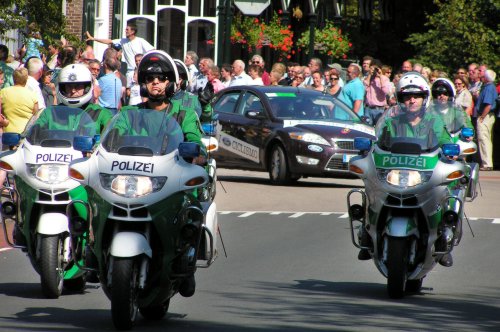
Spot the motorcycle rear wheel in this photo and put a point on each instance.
(155, 312)
(51, 265)
(397, 260)
(124, 292)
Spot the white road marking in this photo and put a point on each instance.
(496, 221)
(246, 214)
(297, 215)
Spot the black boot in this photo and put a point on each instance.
(188, 287)
(364, 255)
(446, 260)
(18, 236)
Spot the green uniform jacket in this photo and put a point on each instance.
(191, 101)
(429, 127)
(454, 119)
(100, 115)
(187, 119)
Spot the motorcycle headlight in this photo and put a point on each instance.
(403, 178)
(49, 173)
(308, 137)
(132, 185)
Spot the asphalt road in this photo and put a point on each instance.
(289, 268)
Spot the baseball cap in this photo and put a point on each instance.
(116, 46)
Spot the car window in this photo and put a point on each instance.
(227, 103)
(309, 106)
(250, 103)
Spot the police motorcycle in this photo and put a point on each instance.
(411, 206)
(460, 128)
(150, 232)
(41, 192)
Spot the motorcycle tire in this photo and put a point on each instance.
(155, 312)
(414, 286)
(397, 265)
(124, 292)
(51, 265)
(75, 285)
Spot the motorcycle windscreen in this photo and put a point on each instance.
(142, 132)
(400, 134)
(453, 116)
(56, 126)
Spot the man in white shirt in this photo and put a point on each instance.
(239, 75)
(34, 66)
(131, 45)
(200, 80)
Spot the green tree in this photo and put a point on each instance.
(460, 32)
(47, 14)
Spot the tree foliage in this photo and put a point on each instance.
(460, 32)
(47, 14)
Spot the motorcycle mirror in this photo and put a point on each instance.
(451, 150)
(83, 143)
(362, 144)
(10, 139)
(189, 150)
(467, 132)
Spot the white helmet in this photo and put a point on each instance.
(75, 73)
(441, 85)
(184, 73)
(413, 83)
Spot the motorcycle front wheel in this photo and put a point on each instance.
(51, 265)
(397, 260)
(124, 292)
(155, 312)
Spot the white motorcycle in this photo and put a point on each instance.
(150, 230)
(412, 206)
(41, 193)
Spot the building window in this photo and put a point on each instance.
(165, 2)
(148, 7)
(201, 38)
(194, 8)
(145, 29)
(209, 8)
(171, 26)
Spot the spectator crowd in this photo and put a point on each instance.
(368, 88)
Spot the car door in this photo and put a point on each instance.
(240, 135)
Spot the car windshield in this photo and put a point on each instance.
(142, 132)
(397, 132)
(309, 106)
(56, 126)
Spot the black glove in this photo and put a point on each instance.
(206, 95)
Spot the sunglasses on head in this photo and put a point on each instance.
(151, 78)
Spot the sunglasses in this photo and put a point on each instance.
(256, 62)
(437, 94)
(461, 73)
(334, 78)
(151, 78)
(458, 83)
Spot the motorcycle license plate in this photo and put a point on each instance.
(347, 157)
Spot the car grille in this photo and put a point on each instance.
(345, 145)
(336, 164)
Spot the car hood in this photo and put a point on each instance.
(330, 129)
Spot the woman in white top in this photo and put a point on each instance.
(463, 97)
(225, 74)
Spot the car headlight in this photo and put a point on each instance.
(132, 185)
(403, 178)
(308, 137)
(49, 173)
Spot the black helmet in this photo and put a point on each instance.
(157, 62)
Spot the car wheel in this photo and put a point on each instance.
(279, 173)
